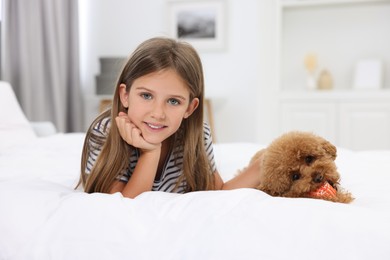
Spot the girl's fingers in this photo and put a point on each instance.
(125, 128)
(140, 142)
(122, 114)
(131, 134)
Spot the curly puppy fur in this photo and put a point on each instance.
(298, 163)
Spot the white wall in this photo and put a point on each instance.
(240, 79)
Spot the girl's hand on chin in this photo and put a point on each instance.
(132, 134)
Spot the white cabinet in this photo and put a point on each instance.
(354, 120)
(316, 117)
(365, 125)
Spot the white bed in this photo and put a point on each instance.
(43, 217)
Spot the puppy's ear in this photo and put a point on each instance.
(330, 149)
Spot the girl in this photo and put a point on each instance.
(154, 137)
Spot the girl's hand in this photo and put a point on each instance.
(132, 134)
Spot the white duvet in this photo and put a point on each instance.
(43, 217)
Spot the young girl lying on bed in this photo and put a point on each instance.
(154, 137)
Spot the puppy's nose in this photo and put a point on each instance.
(317, 177)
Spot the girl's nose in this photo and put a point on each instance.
(158, 110)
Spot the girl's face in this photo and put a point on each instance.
(157, 103)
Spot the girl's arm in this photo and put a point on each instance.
(248, 177)
(145, 171)
(143, 176)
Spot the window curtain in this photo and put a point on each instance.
(41, 60)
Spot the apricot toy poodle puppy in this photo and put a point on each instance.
(301, 164)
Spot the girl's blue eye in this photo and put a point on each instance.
(174, 102)
(146, 96)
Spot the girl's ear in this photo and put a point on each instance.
(124, 95)
(191, 107)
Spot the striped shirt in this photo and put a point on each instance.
(172, 169)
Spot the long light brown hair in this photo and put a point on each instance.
(153, 55)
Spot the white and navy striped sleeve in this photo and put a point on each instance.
(100, 130)
(208, 141)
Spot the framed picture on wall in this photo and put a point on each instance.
(199, 22)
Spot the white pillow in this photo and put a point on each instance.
(15, 129)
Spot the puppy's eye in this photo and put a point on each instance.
(295, 176)
(309, 159)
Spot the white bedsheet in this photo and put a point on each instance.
(43, 217)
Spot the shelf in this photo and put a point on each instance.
(379, 95)
(309, 3)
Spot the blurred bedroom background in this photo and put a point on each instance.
(270, 65)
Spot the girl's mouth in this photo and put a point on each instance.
(155, 127)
